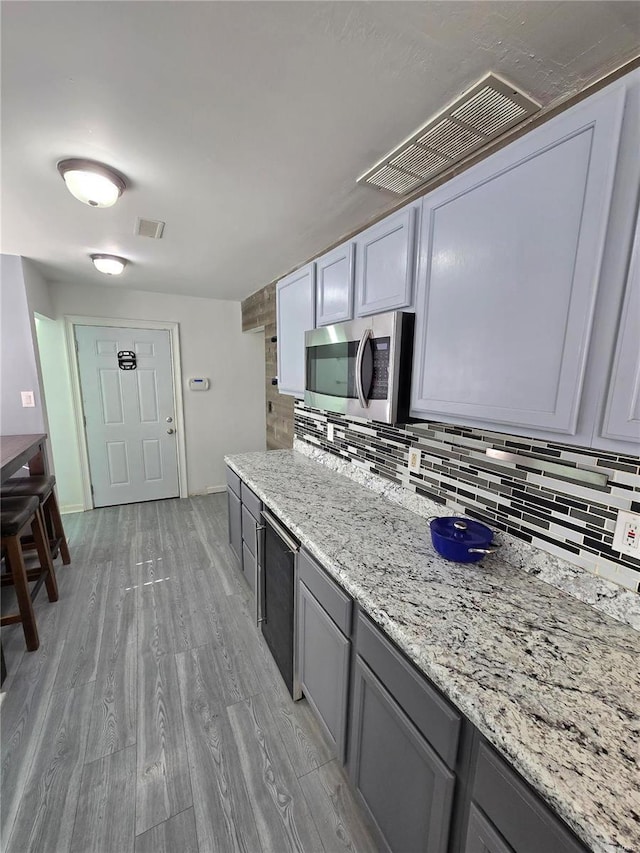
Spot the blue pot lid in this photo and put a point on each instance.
(462, 530)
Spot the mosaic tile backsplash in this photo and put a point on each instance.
(561, 515)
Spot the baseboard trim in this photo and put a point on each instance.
(210, 490)
(65, 509)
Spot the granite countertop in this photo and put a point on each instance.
(550, 682)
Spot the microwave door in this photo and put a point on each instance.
(364, 368)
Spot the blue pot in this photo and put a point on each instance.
(460, 539)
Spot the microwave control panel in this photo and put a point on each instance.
(380, 384)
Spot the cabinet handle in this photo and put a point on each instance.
(359, 358)
(260, 577)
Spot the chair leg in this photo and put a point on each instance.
(44, 555)
(18, 572)
(53, 512)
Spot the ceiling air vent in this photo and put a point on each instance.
(485, 111)
(149, 228)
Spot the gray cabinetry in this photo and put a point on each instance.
(295, 307)
(334, 285)
(403, 744)
(235, 523)
(323, 658)
(515, 812)
(482, 837)
(404, 785)
(251, 508)
(510, 255)
(385, 263)
(324, 648)
(622, 415)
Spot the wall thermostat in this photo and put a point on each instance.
(198, 384)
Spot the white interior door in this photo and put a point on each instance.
(129, 413)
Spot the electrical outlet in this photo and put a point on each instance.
(330, 432)
(626, 536)
(28, 399)
(415, 458)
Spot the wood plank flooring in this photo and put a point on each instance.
(152, 719)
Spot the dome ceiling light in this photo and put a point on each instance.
(109, 264)
(92, 183)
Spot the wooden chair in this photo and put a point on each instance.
(41, 487)
(17, 516)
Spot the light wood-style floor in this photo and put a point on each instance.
(152, 717)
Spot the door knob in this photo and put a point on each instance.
(169, 420)
(170, 431)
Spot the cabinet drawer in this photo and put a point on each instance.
(233, 481)
(435, 718)
(520, 816)
(249, 524)
(336, 602)
(251, 501)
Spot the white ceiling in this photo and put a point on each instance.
(244, 125)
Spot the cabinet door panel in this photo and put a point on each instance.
(510, 256)
(622, 417)
(482, 837)
(334, 286)
(249, 566)
(324, 667)
(385, 262)
(525, 822)
(235, 524)
(407, 789)
(295, 298)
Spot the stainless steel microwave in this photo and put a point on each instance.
(362, 367)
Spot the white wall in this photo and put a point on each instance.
(229, 418)
(18, 368)
(63, 448)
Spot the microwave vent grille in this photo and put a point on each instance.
(484, 112)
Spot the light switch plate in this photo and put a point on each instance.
(28, 399)
(415, 458)
(626, 536)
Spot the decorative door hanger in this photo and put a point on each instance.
(127, 359)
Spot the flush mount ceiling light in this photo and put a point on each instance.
(92, 183)
(481, 114)
(109, 264)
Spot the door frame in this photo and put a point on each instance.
(73, 320)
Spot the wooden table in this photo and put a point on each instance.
(17, 450)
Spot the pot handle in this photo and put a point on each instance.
(483, 550)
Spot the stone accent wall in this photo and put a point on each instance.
(259, 313)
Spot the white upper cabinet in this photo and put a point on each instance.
(295, 308)
(622, 414)
(510, 255)
(385, 262)
(334, 285)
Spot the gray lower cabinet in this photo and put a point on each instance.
(482, 837)
(324, 654)
(406, 788)
(235, 523)
(517, 815)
